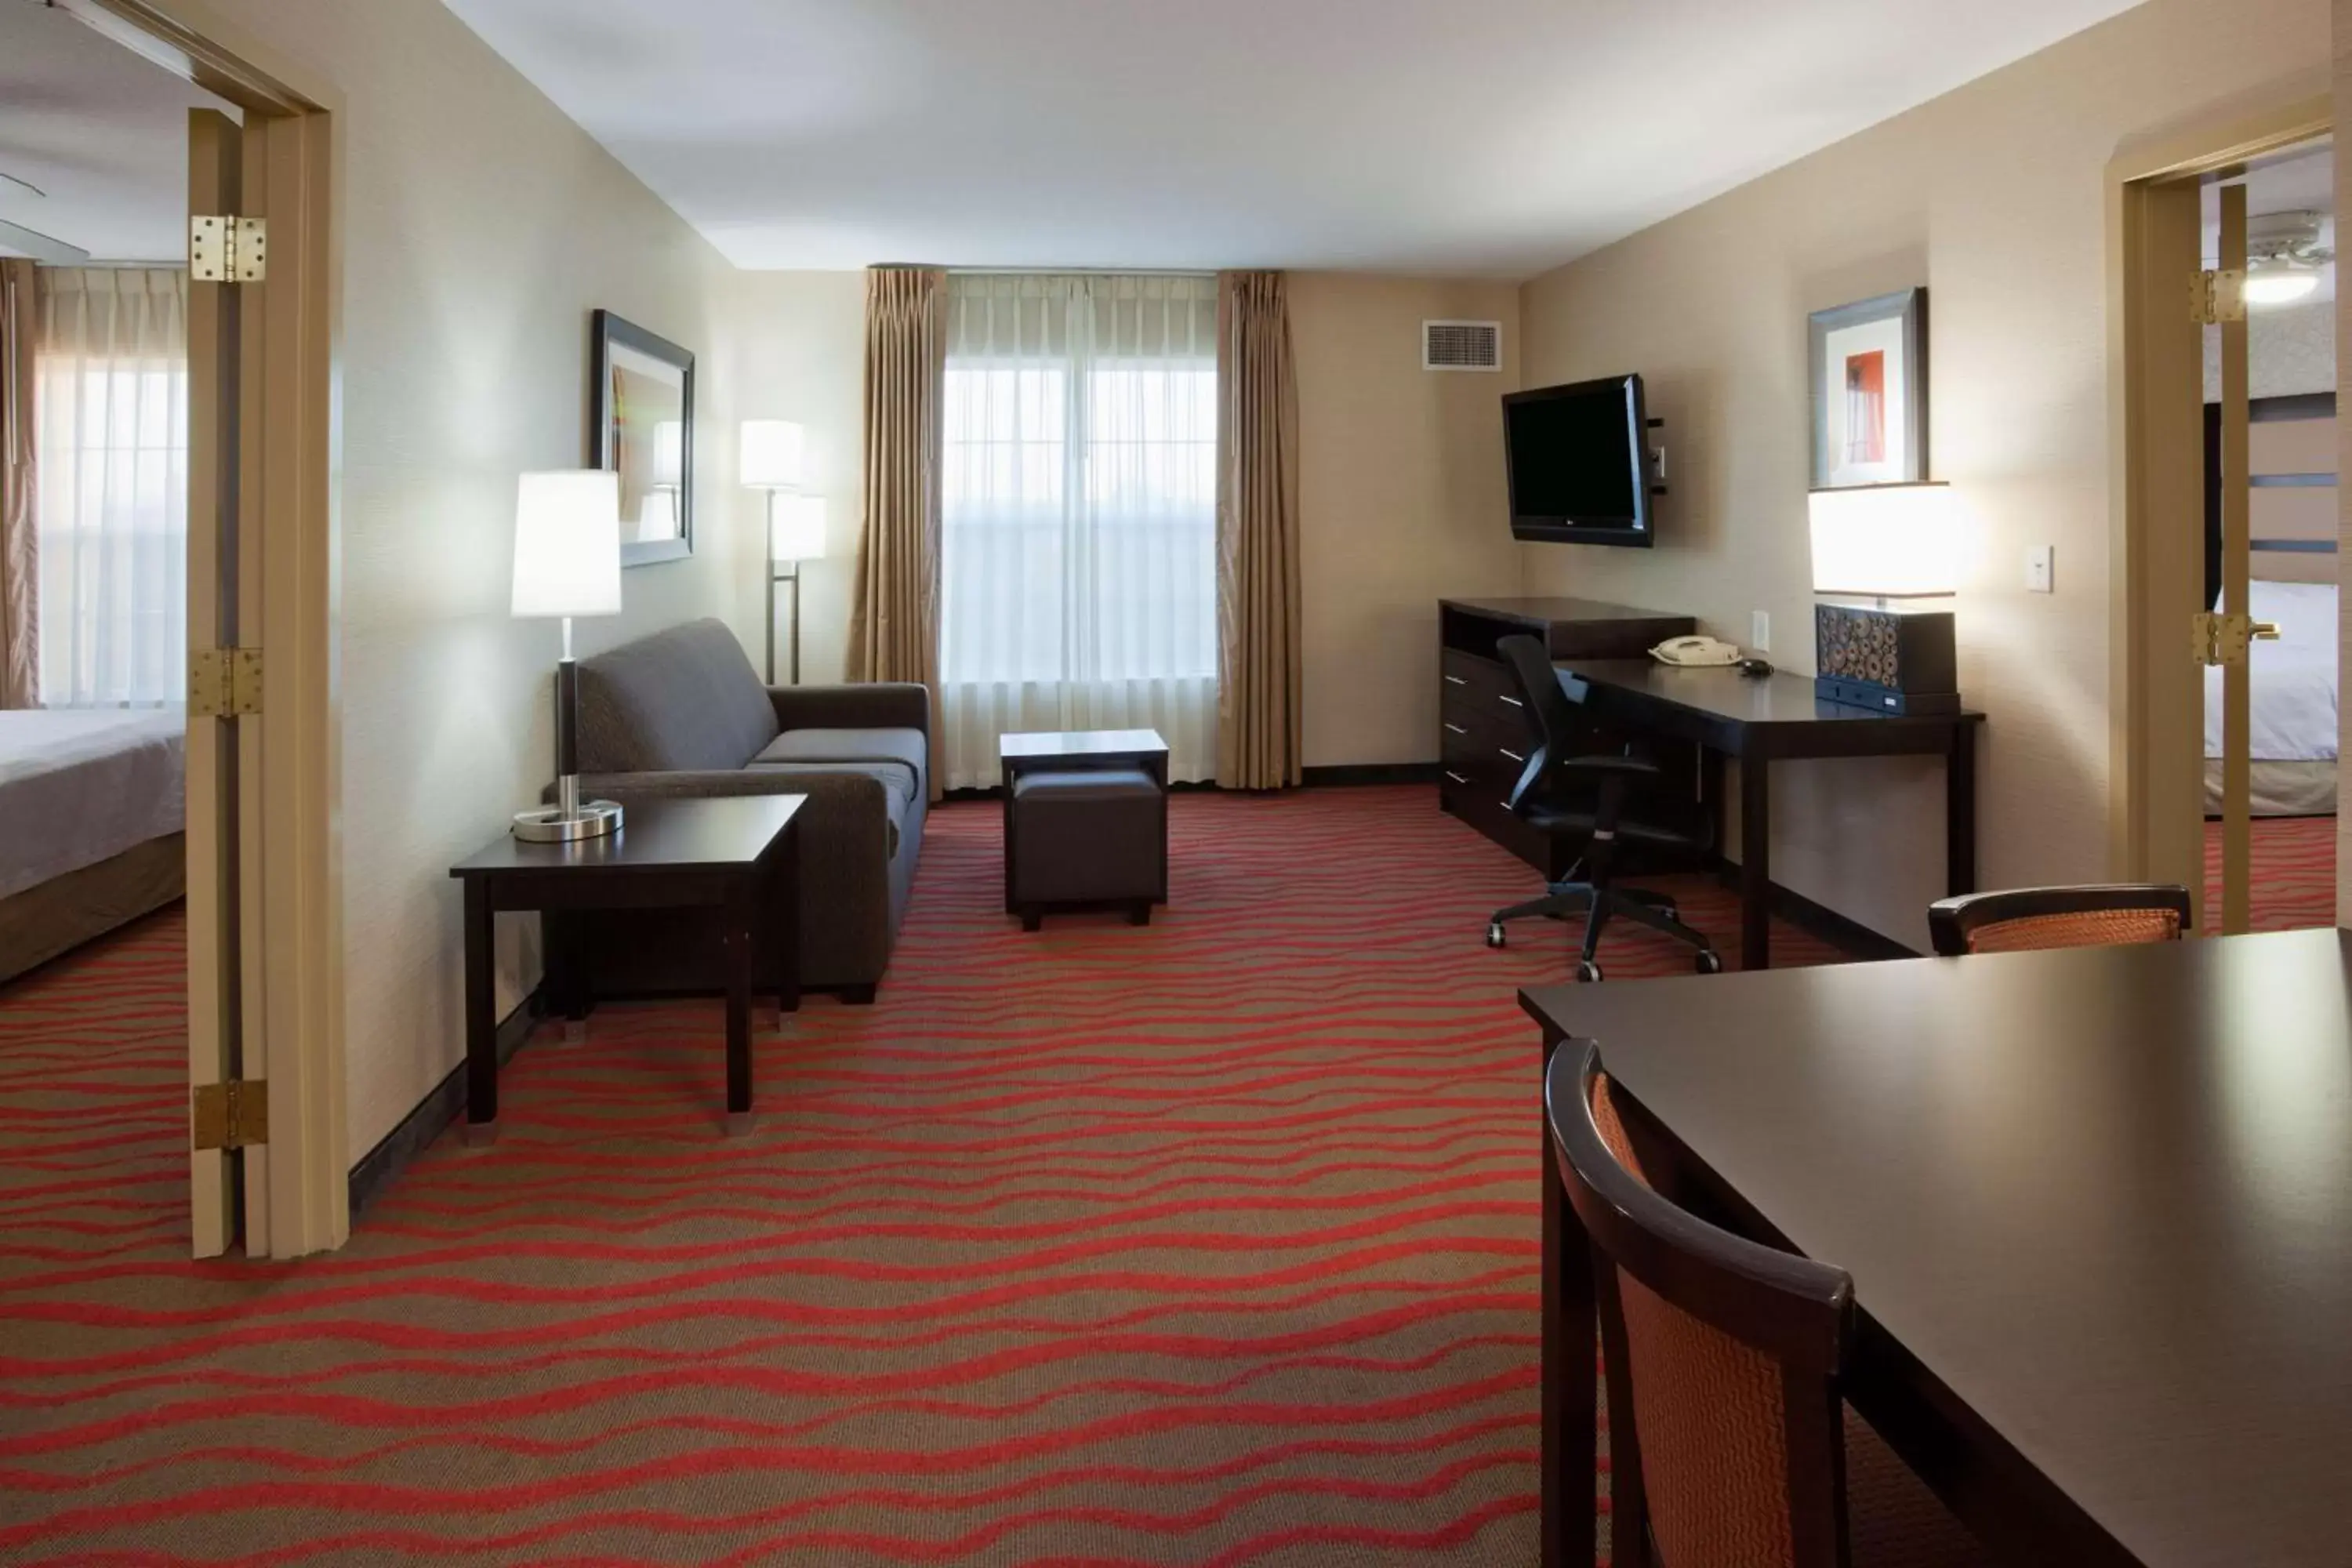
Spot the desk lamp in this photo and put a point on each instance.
(1881, 543)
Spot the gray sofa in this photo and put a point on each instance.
(682, 712)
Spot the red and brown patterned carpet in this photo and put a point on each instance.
(1208, 1242)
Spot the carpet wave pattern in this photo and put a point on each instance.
(1213, 1242)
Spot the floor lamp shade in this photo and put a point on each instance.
(567, 544)
(796, 527)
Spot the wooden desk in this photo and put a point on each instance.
(737, 852)
(1482, 730)
(2097, 1206)
(1777, 717)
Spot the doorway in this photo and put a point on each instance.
(2185, 568)
(180, 486)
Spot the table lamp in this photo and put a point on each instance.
(567, 563)
(1882, 543)
(774, 461)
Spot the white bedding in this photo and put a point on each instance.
(2293, 678)
(78, 785)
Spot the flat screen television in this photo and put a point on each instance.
(1580, 463)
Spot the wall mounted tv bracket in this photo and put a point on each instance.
(1657, 461)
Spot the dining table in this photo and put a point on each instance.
(2096, 1203)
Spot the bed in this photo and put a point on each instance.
(92, 804)
(2293, 712)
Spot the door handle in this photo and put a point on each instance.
(1511, 753)
(1515, 702)
(1457, 728)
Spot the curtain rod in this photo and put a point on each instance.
(1083, 271)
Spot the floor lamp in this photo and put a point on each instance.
(772, 461)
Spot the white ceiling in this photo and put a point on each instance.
(1499, 137)
(102, 131)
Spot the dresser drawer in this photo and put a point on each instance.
(1481, 687)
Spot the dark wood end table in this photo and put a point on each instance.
(739, 854)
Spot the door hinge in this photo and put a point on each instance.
(2217, 296)
(2226, 639)
(230, 1115)
(224, 682)
(228, 249)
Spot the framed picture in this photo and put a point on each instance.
(1870, 392)
(641, 426)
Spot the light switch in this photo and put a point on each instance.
(2038, 569)
(1759, 631)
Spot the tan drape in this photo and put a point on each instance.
(894, 620)
(20, 627)
(1259, 744)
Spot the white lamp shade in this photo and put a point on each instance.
(796, 527)
(567, 549)
(1887, 541)
(775, 455)
(658, 518)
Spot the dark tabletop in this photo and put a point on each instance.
(1779, 697)
(2104, 1194)
(721, 833)
(1081, 744)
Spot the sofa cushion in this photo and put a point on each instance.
(908, 748)
(897, 777)
(683, 698)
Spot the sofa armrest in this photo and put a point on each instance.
(877, 705)
(850, 811)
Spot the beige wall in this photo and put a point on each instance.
(1993, 196)
(1402, 501)
(481, 228)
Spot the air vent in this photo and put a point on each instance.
(1461, 345)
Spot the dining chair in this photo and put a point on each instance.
(1730, 1442)
(2021, 919)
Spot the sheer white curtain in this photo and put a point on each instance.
(111, 414)
(1079, 561)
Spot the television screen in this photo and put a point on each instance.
(1580, 464)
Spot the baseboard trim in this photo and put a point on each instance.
(401, 1146)
(1820, 921)
(1345, 776)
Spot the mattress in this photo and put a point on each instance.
(2278, 789)
(2293, 679)
(80, 786)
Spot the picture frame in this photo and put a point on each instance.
(641, 426)
(1869, 376)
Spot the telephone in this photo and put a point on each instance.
(1695, 653)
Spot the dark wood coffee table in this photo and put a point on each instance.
(739, 854)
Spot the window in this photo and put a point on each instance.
(1080, 488)
(110, 486)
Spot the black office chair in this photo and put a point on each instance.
(1570, 794)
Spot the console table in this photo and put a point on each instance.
(1483, 732)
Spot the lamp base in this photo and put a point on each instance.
(549, 825)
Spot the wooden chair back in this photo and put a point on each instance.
(2022, 919)
(1722, 1356)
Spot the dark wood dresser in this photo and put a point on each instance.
(1484, 734)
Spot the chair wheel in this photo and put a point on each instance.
(1709, 964)
(1588, 972)
(1495, 933)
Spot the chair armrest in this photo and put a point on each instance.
(1604, 767)
(877, 705)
